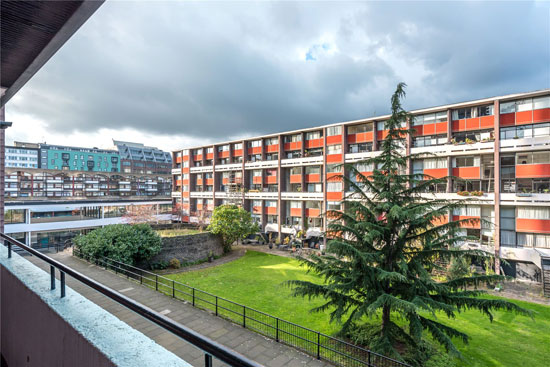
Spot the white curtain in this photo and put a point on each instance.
(533, 212)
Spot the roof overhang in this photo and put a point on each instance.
(32, 32)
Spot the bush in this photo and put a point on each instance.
(175, 263)
(126, 243)
(161, 265)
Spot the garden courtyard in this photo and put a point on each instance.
(257, 280)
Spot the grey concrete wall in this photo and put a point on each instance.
(188, 248)
(34, 335)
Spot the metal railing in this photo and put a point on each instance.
(315, 343)
(210, 347)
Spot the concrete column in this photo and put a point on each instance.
(214, 179)
(496, 113)
(449, 160)
(279, 184)
(374, 139)
(3, 126)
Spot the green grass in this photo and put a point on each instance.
(177, 232)
(256, 280)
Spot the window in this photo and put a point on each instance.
(313, 204)
(334, 168)
(508, 107)
(270, 204)
(256, 203)
(314, 187)
(430, 118)
(526, 212)
(237, 146)
(360, 148)
(363, 128)
(294, 154)
(223, 148)
(435, 163)
(334, 205)
(334, 149)
(541, 102)
(293, 138)
(313, 170)
(431, 140)
(255, 144)
(486, 110)
(380, 125)
(533, 158)
(466, 161)
(462, 113)
(468, 211)
(296, 171)
(533, 240)
(271, 141)
(296, 204)
(334, 130)
(334, 186)
(313, 135)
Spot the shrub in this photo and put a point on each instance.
(126, 243)
(161, 265)
(175, 263)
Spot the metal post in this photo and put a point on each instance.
(207, 360)
(193, 296)
(216, 305)
(368, 362)
(173, 288)
(244, 316)
(140, 279)
(9, 249)
(62, 278)
(156, 282)
(318, 345)
(52, 277)
(277, 330)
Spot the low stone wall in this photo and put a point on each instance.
(188, 248)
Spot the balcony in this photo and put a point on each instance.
(83, 333)
(305, 161)
(530, 198)
(525, 144)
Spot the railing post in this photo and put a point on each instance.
(318, 345)
(9, 249)
(52, 277)
(193, 296)
(207, 360)
(173, 288)
(140, 279)
(368, 359)
(277, 330)
(216, 305)
(244, 316)
(156, 282)
(62, 278)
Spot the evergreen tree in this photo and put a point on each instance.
(384, 245)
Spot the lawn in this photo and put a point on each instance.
(177, 232)
(257, 280)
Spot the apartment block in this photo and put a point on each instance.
(22, 156)
(68, 158)
(141, 159)
(497, 148)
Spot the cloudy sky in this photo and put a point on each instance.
(177, 74)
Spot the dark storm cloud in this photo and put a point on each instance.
(221, 70)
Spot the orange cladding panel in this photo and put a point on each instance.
(441, 128)
(532, 170)
(257, 179)
(524, 117)
(335, 196)
(314, 143)
(333, 175)
(533, 225)
(429, 129)
(224, 154)
(197, 157)
(295, 212)
(296, 179)
(272, 148)
(352, 138)
(466, 172)
(271, 180)
(487, 122)
(472, 124)
(508, 119)
(257, 209)
(237, 152)
(255, 150)
(541, 115)
(334, 158)
(209, 155)
(271, 210)
(210, 181)
(436, 172)
(312, 212)
(475, 224)
(334, 139)
(455, 125)
(313, 178)
(441, 220)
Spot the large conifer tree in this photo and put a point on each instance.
(384, 245)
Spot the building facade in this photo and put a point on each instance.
(65, 158)
(497, 149)
(141, 159)
(22, 157)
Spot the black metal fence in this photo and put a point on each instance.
(315, 343)
(208, 346)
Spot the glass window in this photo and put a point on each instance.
(334, 130)
(334, 149)
(254, 143)
(313, 135)
(541, 102)
(524, 105)
(334, 168)
(312, 170)
(485, 110)
(363, 128)
(293, 138)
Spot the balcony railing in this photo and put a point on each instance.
(210, 347)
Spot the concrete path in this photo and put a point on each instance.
(246, 342)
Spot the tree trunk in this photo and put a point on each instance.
(385, 318)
